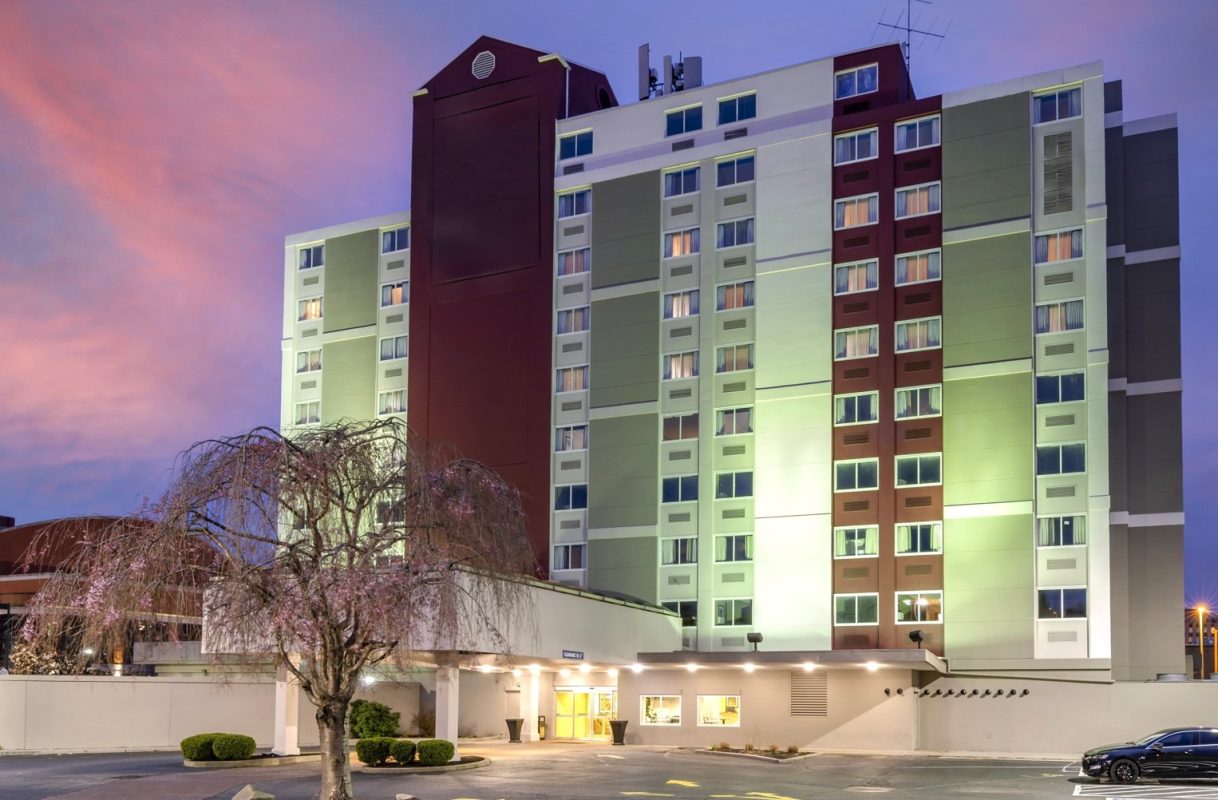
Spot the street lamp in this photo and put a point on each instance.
(1214, 647)
(1201, 636)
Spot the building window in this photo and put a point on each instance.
(573, 262)
(681, 427)
(395, 240)
(395, 294)
(919, 607)
(679, 305)
(308, 413)
(683, 120)
(568, 556)
(1065, 388)
(682, 243)
(574, 145)
(312, 257)
(573, 204)
(918, 538)
(686, 609)
(1058, 317)
(854, 476)
(308, 309)
(1062, 604)
(660, 709)
(734, 358)
(732, 421)
(860, 80)
(920, 470)
(1064, 531)
(1060, 246)
(574, 320)
(733, 484)
(916, 133)
(570, 437)
(734, 612)
(856, 542)
(571, 379)
(680, 365)
(394, 347)
(856, 609)
(734, 547)
(738, 109)
(734, 295)
(734, 233)
(855, 342)
(919, 334)
(308, 361)
(1053, 106)
(735, 170)
(855, 146)
(571, 497)
(856, 211)
(853, 409)
(679, 489)
(919, 401)
(684, 181)
(1061, 459)
(861, 277)
(919, 267)
(719, 710)
(918, 200)
(683, 550)
(393, 402)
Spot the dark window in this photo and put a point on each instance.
(734, 484)
(682, 182)
(688, 609)
(679, 489)
(567, 498)
(575, 145)
(1062, 603)
(737, 170)
(1181, 739)
(687, 120)
(737, 109)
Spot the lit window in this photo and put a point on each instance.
(568, 556)
(573, 262)
(734, 233)
(684, 181)
(734, 295)
(737, 109)
(308, 309)
(660, 709)
(856, 211)
(392, 402)
(394, 347)
(916, 133)
(855, 146)
(571, 379)
(735, 170)
(919, 401)
(919, 267)
(919, 470)
(732, 421)
(683, 120)
(308, 361)
(733, 484)
(860, 277)
(855, 342)
(680, 365)
(571, 497)
(682, 243)
(679, 305)
(1061, 459)
(1053, 106)
(1060, 246)
(1065, 388)
(716, 710)
(852, 409)
(570, 437)
(311, 257)
(681, 427)
(1058, 317)
(918, 200)
(395, 240)
(574, 145)
(919, 334)
(734, 547)
(683, 550)
(574, 320)
(852, 476)
(860, 80)
(1063, 531)
(919, 537)
(856, 609)
(856, 542)
(572, 204)
(679, 489)
(919, 607)
(395, 294)
(686, 609)
(1062, 604)
(308, 413)
(734, 612)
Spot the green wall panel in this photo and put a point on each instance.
(623, 471)
(348, 385)
(987, 440)
(987, 300)
(624, 356)
(624, 565)
(989, 582)
(986, 161)
(351, 280)
(626, 230)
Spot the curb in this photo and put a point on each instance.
(365, 769)
(754, 756)
(277, 761)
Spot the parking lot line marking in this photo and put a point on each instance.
(770, 796)
(675, 782)
(647, 794)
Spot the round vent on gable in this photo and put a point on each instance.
(484, 64)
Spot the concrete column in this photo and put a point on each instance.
(532, 706)
(448, 687)
(287, 714)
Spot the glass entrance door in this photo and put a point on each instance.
(584, 713)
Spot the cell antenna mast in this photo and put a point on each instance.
(907, 26)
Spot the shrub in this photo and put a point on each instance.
(424, 723)
(772, 749)
(793, 749)
(233, 747)
(370, 719)
(199, 747)
(373, 750)
(402, 751)
(434, 752)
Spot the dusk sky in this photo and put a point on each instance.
(154, 154)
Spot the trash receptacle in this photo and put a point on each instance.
(514, 726)
(541, 727)
(619, 730)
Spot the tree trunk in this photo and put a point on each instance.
(335, 759)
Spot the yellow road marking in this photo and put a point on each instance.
(681, 783)
(769, 796)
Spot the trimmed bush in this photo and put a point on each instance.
(233, 747)
(370, 719)
(402, 751)
(434, 752)
(374, 750)
(199, 747)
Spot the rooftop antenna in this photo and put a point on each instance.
(908, 27)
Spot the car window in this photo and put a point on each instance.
(1145, 740)
(1181, 739)
(1207, 737)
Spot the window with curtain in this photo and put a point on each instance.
(680, 365)
(734, 295)
(733, 484)
(573, 262)
(571, 379)
(856, 211)
(679, 489)
(308, 309)
(852, 476)
(856, 542)
(732, 421)
(855, 146)
(734, 612)
(1061, 459)
(856, 609)
(573, 204)
(395, 294)
(917, 133)
(919, 470)
(852, 82)
(738, 109)
(682, 243)
(570, 437)
(393, 402)
(1060, 246)
(683, 120)
(574, 145)
(684, 181)
(683, 550)
(568, 556)
(731, 171)
(393, 347)
(919, 267)
(735, 233)
(679, 305)
(918, 200)
(308, 413)
(1062, 603)
(734, 547)
(308, 361)
(395, 240)
(1062, 104)
(855, 342)
(919, 537)
(571, 497)
(312, 256)
(919, 401)
(1058, 317)
(860, 277)
(1061, 531)
(1065, 388)
(852, 409)
(734, 358)
(925, 607)
(574, 320)
(919, 334)
(682, 426)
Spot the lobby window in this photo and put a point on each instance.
(393, 402)
(733, 484)
(308, 360)
(568, 556)
(308, 309)
(682, 550)
(919, 267)
(734, 547)
(918, 200)
(312, 257)
(681, 427)
(719, 710)
(574, 145)
(680, 365)
(855, 146)
(1061, 603)
(1061, 531)
(919, 334)
(679, 489)
(734, 358)
(734, 612)
(730, 296)
(856, 609)
(915, 607)
(679, 305)
(1061, 459)
(683, 120)
(732, 171)
(856, 81)
(394, 240)
(861, 277)
(660, 709)
(855, 409)
(571, 379)
(1053, 106)
(570, 437)
(738, 109)
(573, 262)
(1064, 388)
(919, 470)
(393, 347)
(682, 243)
(571, 497)
(732, 421)
(856, 211)
(574, 320)
(855, 342)
(918, 538)
(1058, 317)
(682, 181)
(686, 609)
(914, 134)
(308, 413)
(573, 204)
(735, 233)
(395, 294)
(919, 401)
(855, 476)
(1060, 246)
(856, 542)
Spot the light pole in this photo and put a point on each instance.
(1214, 647)
(1201, 636)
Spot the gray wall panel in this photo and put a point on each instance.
(351, 280)
(1152, 193)
(624, 565)
(1152, 320)
(623, 471)
(626, 230)
(986, 161)
(1155, 456)
(625, 350)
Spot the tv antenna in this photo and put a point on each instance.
(908, 27)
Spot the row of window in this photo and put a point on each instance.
(390, 402)
(714, 710)
(309, 309)
(676, 123)
(314, 255)
(863, 341)
(728, 297)
(863, 145)
(910, 607)
(925, 469)
(684, 488)
(674, 366)
(729, 422)
(392, 348)
(911, 201)
(864, 276)
(863, 541)
(729, 171)
(687, 242)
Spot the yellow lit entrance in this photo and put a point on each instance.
(584, 713)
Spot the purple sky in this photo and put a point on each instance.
(154, 154)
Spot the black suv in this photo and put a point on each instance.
(1169, 753)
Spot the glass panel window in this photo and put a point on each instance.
(395, 240)
(392, 402)
(679, 551)
(855, 342)
(1060, 388)
(860, 277)
(394, 347)
(919, 537)
(737, 109)
(734, 612)
(1062, 604)
(1063, 531)
(919, 334)
(734, 233)
(1061, 246)
(919, 401)
(1061, 459)
(570, 437)
(733, 484)
(660, 709)
(855, 146)
(574, 145)
(308, 309)
(852, 409)
(572, 204)
(717, 710)
(1058, 317)
(312, 256)
(1053, 106)
(860, 80)
(734, 295)
(395, 294)
(571, 379)
(852, 476)
(735, 170)
(856, 542)
(916, 133)
(568, 556)
(680, 365)
(308, 361)
(856, 211)
(919, 607)
(734, 547)
(734, 358)
(573, 262)
(679, 489)
(308, 413)
(682, 243)
(686, 609)
(679, 182)
(732, 421)
(920, 470)
(683, 120)
(856, 609)
(571, 497)
(681, 427)
(919, 267)
(574, 320)
(679, 305)
(918, 200)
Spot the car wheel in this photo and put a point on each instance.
(1123, 771)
